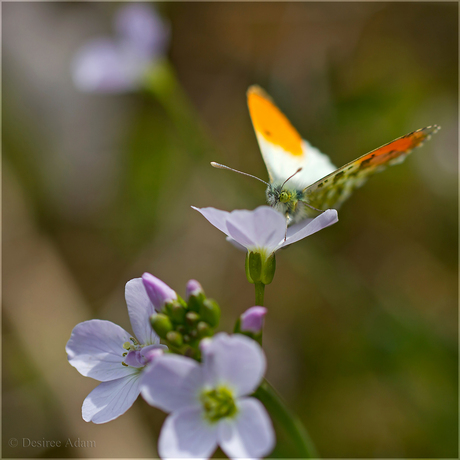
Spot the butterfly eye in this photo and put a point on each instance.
(284, 197)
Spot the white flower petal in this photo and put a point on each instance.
(309, 227)
(140, 308)
(235, 244)
(111, 399)
(262, 228)
(172, 382)
(235, 361)
(250, 434)
(186, 434)
(216, 217)
(95, 349)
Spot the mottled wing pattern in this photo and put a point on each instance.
(331, 191)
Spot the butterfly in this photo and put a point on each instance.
(303, 180)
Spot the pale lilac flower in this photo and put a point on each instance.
(159, 292)
(264, 229)
(118, 64)
(209, 402)
(104, 351)
(252, 320)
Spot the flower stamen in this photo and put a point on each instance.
(218, 403)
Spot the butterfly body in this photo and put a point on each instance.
(288, 201)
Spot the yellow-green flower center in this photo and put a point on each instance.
(218, 403)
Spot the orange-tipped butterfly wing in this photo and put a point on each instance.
(323, 185)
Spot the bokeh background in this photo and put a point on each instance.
(361, 332)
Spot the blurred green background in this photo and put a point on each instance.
(361, 333)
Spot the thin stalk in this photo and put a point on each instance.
(161, 81)
(260, 288)
(286, 419)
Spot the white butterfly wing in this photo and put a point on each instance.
(283, 150)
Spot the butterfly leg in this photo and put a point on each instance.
(287, 223)
(312, 207)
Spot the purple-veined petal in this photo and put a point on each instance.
(152, 352)
(172, 382)
(134, 359)
(186, 434)
(95, 349)
(325, 219)
(158, 291)
(252, 319)
(236, 361)
(111, 399)
(249, 434)
(140, 308)
(140, 25)
(102, 65)
(262, 228)
(216, 217)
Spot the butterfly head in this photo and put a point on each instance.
(285, 200)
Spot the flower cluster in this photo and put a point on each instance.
(208, 400)
(182, 324)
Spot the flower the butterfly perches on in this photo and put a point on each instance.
(262, 232)
(115, 65)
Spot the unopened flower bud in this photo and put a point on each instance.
(193, 288)
(194, 295)
(159, 293)
(175, 338)
(252, 320)
(203, 329)
(210, 312)
(192, 317)
(161, 324)
(177, 313)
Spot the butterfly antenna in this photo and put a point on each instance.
(290, 177)
(219, 166)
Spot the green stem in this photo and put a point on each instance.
(161, 81)
(288, 421)
(260, 288)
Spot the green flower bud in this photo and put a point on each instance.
(161, 324)
(195, 301)
(178, 313)
(203, 330)
(192, 318)
(174, 338)
(210, 312)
